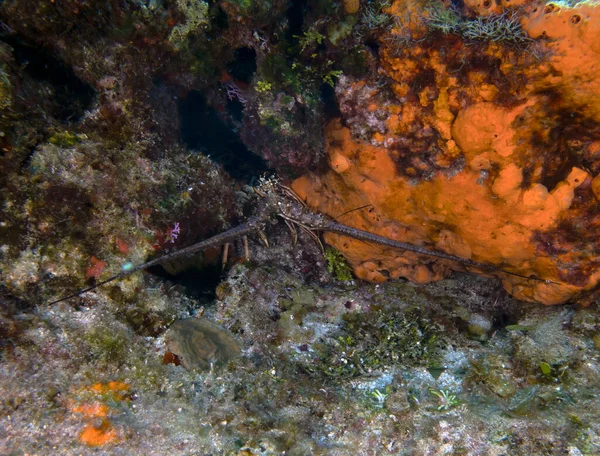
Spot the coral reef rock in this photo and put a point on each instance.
(200, 344)
(484, 143)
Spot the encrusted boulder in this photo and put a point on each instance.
(484, 148)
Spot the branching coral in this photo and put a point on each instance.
(374, 15)
(503, 28)
(443, 19)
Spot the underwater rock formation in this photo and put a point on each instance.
(199, 343)
(484, 143)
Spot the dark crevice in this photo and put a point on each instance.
(235, 109)
(557, 168)
(219, 23)
(203, 129)
(295, 18)
(71, 95)
(331, 108)
(26, 162)
(197, 283)
(425, 78)
(243, 68)
(373, 46)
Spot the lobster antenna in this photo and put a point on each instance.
(251, 225)
(352, 210)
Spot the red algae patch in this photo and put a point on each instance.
(95, 268)
(171, 358)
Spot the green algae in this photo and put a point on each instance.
(108, 345)
(519, 328)
(378, 341)
(337, 265)
(545, 368)
(65, 139)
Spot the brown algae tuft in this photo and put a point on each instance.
(199, 343)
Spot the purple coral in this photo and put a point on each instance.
(175, 231)
(234, 93)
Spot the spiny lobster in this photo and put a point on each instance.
(279, 201)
